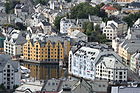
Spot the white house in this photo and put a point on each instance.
(65, 24)
(110, 31)
(9, 72)
(110, 68)
(96, 62)
(114, 28)
(13, 44)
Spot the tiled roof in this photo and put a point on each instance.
(108, 7)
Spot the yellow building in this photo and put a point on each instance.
(124, 54)
(127, 48)
(42, 56)
(48, 51)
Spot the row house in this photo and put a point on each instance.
(96, 62)
(13, 44)
(114, 28)
(43, 54)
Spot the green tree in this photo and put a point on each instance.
(130, 19)
(57, 21)
(2, 87)
(82, 10)
(43, 2)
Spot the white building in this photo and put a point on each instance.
(65, 24)
(110, 68)
(135, 63)
(82, 62)
(13, 44)
(114, 28)
(110, 31)
(97, 62)
(9, 72)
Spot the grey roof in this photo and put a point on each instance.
(75, 86)
(20, 40)
(119, 21)
(4, 59)
(131, 45)
(113, 26)
(95, 18)
(135, 4)
(46, 23)
(36, 30)
(43, 39)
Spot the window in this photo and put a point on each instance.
(8, 66)
(120, 73)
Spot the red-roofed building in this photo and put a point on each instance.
(110, 10)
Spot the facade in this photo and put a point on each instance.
(131, 44)
(110, 10)
(46, 26)
(123, 1)
(97, 63)
(43, 54)
(14, 43)
(77, 36)
(82, 64)
(74, 85)
(135, 63)
(114, 28)
(46, 48)
(110, 68)
(9, 72)
(65, 24)
(77, 24)
(110, 31)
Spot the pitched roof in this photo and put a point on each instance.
(4, 59)
(108, 7)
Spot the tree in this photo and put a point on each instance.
(2, 87)
(130, 19)
(83, 10)
(43, 2)
(57, 21)
(20, 26)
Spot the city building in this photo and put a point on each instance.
(77, 36)
(46, 48)
(114, 28)
(66, 25)
(42, 54)
(9, 72)
(110, 68)
(131, 44)
(123, 2)
(74, 86)
(135, 63)
(110, 31)
(110, 10)
(96, 62)
(29, 86)
(13, 44)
